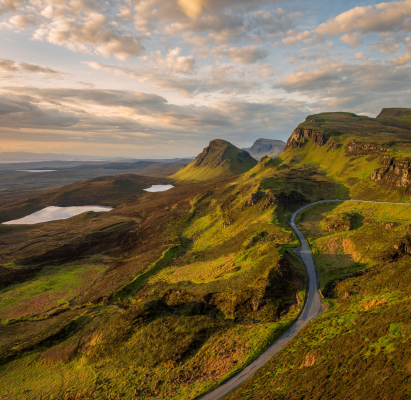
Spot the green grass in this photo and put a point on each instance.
(167, 256)
(365, 332)
(219, 159)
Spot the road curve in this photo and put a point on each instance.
(312, 309)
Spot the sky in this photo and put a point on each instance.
(161, 78)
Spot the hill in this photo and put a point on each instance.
(266, 147)
(219, 159)
(170, 294)
(370, 157)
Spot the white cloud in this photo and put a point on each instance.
(364, 87)
(174, 62)
(382, 18)
(21, 21)
(226, 80)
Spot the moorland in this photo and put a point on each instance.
(168, 295)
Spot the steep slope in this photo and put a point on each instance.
(266, 147)
(171, 293)
(163, 297)
(219, 159)
(360, 346)
(369, 156)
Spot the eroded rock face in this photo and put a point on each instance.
(364, 147)
(399, 250)
(395, 173)
(300, 136)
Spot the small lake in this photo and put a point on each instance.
(158, 188)
(53, 213)
(37, 170)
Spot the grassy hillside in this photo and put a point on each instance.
(360, 347)
(349, 148)
(171, 293)
(342, 125)
(163, 297)
(266, 147)
(218, 159)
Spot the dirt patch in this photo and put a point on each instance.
(34, 306)
(310, 360)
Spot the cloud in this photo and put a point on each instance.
(246, 54)
(402, 59)
(222, 21)
(220, 79)
(7, 65)
(386, 46)
(174, 62)
(382, 18)
(80, 25)
(364, 87)
(192, 8)
(10, 5)
(124, 118)
(90, 33)
(309, 56)
(21, 21)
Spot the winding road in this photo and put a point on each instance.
(312, 308)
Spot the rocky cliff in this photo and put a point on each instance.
(364, 147)
(300, 136)
(394, 173)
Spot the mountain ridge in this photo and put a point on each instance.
(219, 159)
(266, 147)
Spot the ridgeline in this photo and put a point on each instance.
(170, 294)
(219, 159)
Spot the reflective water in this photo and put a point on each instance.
(158, 188)
(37, 170)
(54, 213)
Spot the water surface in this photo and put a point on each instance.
(36, 170)
(158, 188)
(55, 213)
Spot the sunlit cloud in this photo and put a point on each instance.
(174, 74)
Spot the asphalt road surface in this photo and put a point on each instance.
(312, 309)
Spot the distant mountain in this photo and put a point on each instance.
(266, 147)
(218, 159)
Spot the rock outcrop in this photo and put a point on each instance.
(364, 147)
(395, 173)
(300, 136)
(399, 250)
(287, 201)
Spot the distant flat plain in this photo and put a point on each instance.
(12, 180)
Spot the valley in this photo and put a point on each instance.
(170, 294)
